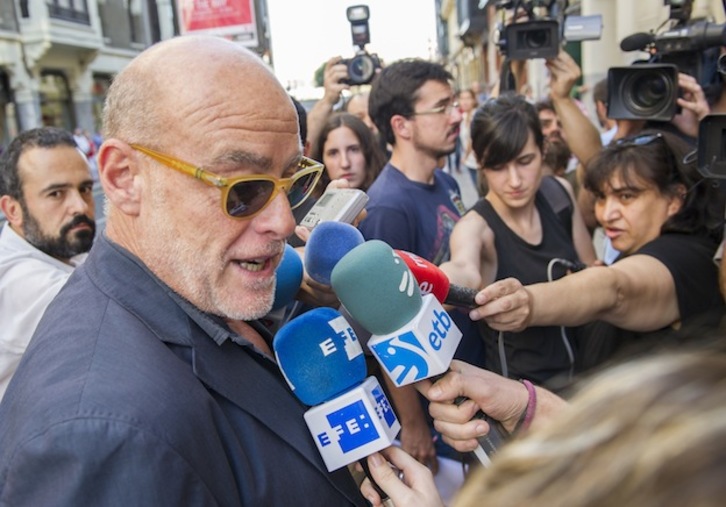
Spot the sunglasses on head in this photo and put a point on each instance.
(246, 196)
(639, 140)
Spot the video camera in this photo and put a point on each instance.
(362, 67)
(547, 28)
(648, 90)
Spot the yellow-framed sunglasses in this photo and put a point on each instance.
(246, 196)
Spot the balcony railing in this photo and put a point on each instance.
(75, 11)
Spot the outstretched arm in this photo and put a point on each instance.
(637, 293)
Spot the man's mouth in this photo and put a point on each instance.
(253, 265)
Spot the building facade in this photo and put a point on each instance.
(58, 57)
(469, 29)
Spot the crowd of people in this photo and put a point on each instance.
(136, 367)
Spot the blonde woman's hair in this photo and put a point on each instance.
(648, 433)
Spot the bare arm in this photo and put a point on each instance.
(583, 137)
(693, 105)
(637, 293)
(334, 72)
(473, 257)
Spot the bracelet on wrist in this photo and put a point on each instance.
(525, 420)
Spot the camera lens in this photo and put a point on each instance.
(361, 69)
(535, 39)
(648, 92)
(721, 65)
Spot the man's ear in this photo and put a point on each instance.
(12, 210)
(119, 175)
(401, 127)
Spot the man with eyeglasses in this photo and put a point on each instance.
(46, 194)
(149, 380)
(413, 204)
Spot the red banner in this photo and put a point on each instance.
(230, 18)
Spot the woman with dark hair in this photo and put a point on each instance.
(527, 226)
(349, 150)
(664, 218)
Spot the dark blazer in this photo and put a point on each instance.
(123, 399)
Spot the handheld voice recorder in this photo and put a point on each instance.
(336, 204)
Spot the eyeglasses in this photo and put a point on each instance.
(446, 109)
(640, 140)
(246, 196)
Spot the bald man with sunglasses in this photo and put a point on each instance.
(149, 380)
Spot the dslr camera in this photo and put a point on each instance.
(363, 66)
(546, 29)
(649, 89)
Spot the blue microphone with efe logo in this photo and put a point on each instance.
(322, 360)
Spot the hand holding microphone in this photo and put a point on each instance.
(414, 338)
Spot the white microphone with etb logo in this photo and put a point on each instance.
(413, 337)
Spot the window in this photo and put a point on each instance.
(69, 10)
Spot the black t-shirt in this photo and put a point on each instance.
(689, 258)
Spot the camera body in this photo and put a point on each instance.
(643, 91)
(542, 35)
(531, 39)
(689, 47)
(363, 66)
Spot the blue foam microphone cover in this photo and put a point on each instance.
(377, 287)
(289, 275)
(328, 243)
(319, 355)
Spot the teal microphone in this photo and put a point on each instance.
(376, 287)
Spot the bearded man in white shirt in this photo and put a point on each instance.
(46, 194)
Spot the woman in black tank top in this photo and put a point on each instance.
(513, 231)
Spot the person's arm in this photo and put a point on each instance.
(583, 137)
(637, 293)
(415, 486)
(693, 104)
(334, 72)
(503, 399)
(473, 257)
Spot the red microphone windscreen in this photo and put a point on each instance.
(429, 277)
